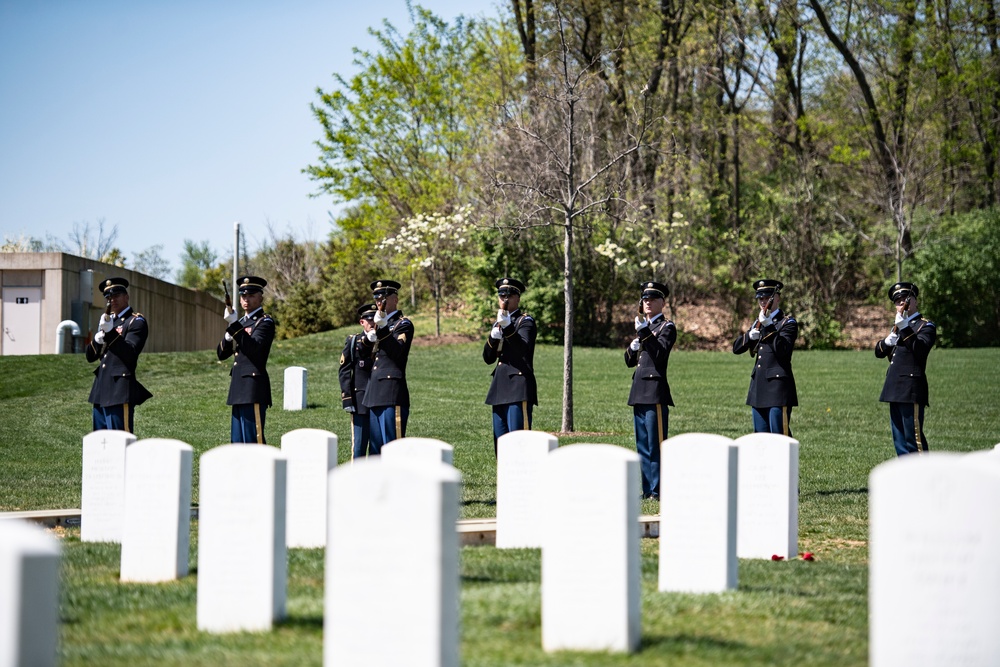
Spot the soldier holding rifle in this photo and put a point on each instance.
(905, 388)
(387, 396)
(248, 341)
(650, 394)
(511, 346)
(118, 342)
(355, 370)
(770, 340)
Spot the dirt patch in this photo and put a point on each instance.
(866, 324)
(703, 326)
(443, 339)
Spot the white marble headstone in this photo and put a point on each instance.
(767, 521)
(242, 559)
(934, 584)
(698, 514)
(295, 388)
(102, 500)
(29, 601)
(156, 532)
(392, 577)
(521, 456)
(426, 450)
(590, 549)
(311, 454)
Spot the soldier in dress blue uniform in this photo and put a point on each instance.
(771, 340)
(905, 388)
(355, 369)
(650, 394)
(248, 340)
(387, 396)
(118, 342)
(511, 346)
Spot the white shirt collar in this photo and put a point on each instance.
(253, 312)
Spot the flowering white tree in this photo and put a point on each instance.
(436, 245)
(648, 249)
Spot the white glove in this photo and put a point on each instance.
(227, 337)
(229, 315)
(371, 335)
(496, 333)
(766, 320)
(899, 318)
(99, 337)
(640, 322)
(380, 319)
(350, 408)
(503, 318)
(754, 334)
(891, 339)
(635, 345)
(106, 324)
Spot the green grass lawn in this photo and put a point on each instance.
(783, 613)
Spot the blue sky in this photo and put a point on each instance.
(174, 119)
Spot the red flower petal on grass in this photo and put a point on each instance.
(808, 556)
(777, 557)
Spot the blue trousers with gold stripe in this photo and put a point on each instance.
(907, 428)
(650, 431)
(773, 420)
(115, 417)
(248, 423)
(387, 423)
(360, 435)
(510, 417)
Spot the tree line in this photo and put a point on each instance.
(585, 145)
(835, 146)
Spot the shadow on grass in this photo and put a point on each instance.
(678, 643)
(312, 621)
(488, 503)
(779, 590)
(837, 492)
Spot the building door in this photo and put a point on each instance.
(22, 320)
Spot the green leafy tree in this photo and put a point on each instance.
(196, 260)
(399, 138)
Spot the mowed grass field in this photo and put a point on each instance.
(784, 613)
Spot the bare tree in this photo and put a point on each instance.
(552, 167)
(95, 244)
(151, 262)
(886, 123)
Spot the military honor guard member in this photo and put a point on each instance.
(355, 370)
(387, 396)
(649, 397)
(771, 339)
(121, 335)
(905, 388)
(511, 346)
(248, 340)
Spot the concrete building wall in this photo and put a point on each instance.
(180, 319)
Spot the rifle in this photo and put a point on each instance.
(756, 324)
(229, 299)
(906, 308)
